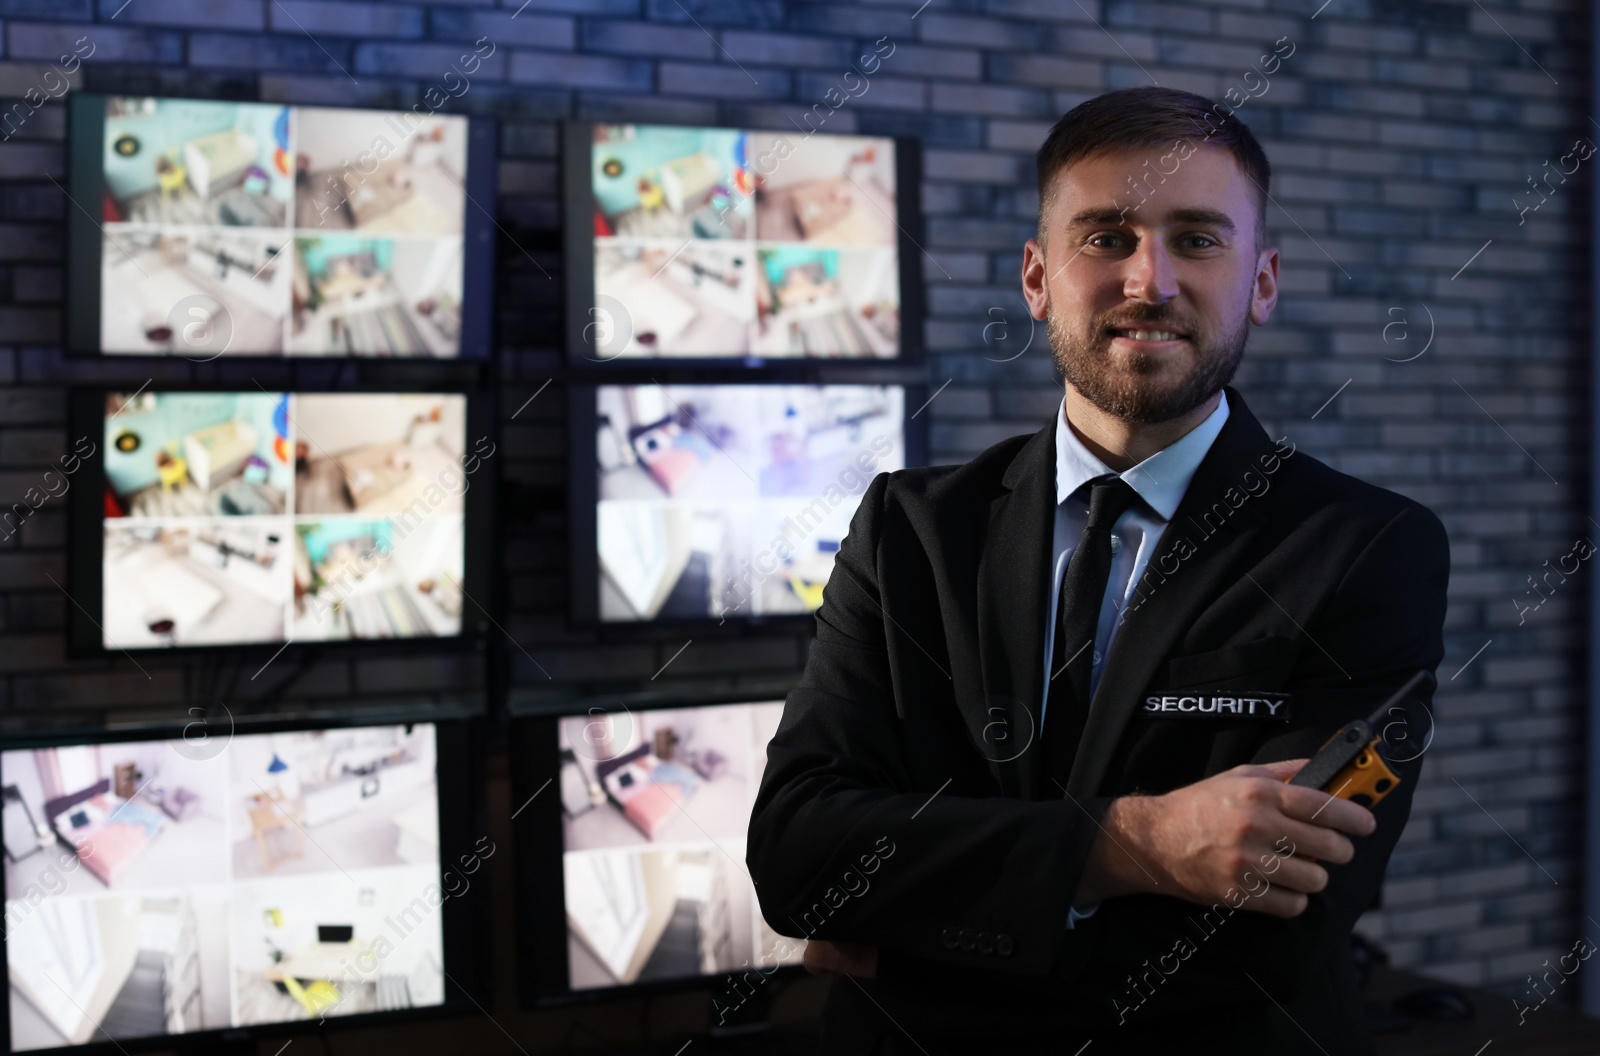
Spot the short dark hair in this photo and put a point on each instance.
(1131, 118)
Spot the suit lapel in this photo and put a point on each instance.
(1198, 560)
(1013, 574)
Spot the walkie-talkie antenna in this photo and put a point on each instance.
(1422, 675)
(1350, 765)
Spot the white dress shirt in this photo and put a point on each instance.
(1161, 481)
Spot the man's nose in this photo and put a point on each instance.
(1151, 276)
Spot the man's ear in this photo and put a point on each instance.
(1035, 279)
(1264, 294)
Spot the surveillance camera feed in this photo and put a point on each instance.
(170, 887)
(242, 517)
(655, 805)
(261, 229)
(717, 242)
(730, 501)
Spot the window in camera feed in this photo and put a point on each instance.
(714, 242)
(728, 501)
(233, 518)
(169, 887)
(262, 229)
(655, 806)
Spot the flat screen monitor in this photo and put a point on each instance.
(631, 865)
(722, 502)
(170, 885)
(718, 244)
(210, 227)
(260, 517)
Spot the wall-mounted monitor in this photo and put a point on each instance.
(259, 517)
(161, 888)
(631, 867)
(208, 227)
(731, 244)
(717, 503)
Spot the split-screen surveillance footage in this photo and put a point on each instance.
(240, 517)
(722, 501)
(250, 229)
(655, 806)
(718, 242)
(152, 889)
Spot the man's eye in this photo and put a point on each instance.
(1110, 240)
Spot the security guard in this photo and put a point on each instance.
(1045, 728)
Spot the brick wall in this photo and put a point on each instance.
(1402, 135)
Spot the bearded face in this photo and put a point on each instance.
(1146, 381)
(1148, 303)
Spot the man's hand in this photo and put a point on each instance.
(840, 958)
(1241, 830)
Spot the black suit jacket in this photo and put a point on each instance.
(905, 803)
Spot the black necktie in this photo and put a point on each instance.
(1083, 590)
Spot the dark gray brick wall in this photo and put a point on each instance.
(1400, 133)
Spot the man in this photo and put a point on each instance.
(1030, 792)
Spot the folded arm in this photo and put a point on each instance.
(1257, 910)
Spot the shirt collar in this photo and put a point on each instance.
(1160, 479)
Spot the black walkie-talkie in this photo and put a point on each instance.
(1351, 764)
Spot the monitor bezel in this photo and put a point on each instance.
(86, 539)
(584, 487)
(577, 232)
(463, 819)
(543, 968)
(85, 177)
